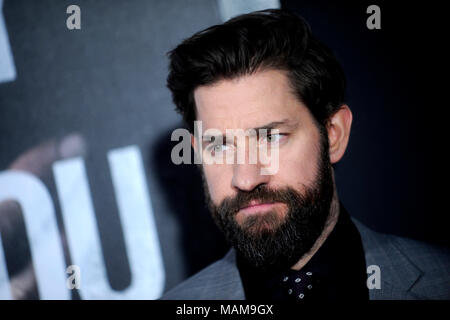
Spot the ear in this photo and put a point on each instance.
(338, 129)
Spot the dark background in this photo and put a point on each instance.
(392, 176)
(107, 83)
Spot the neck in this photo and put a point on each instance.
(329, 226)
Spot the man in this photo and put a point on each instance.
(292, 239)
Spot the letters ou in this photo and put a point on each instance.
(136, 215)
(74, 20)
(374, 21)
(374, 280)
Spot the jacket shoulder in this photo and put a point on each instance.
(422, 253)
(219, 280)
(434, 264)
(417, 270)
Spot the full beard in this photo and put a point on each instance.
(270, 241)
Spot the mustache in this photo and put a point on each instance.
(261, 194)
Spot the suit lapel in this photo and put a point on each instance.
(229, 285)
(398, 273)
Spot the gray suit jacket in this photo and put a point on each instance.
(409, 270)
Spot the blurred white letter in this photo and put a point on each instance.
(43, 235)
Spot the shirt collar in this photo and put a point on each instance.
(339, 262)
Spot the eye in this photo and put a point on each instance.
(273, 138)
(218, 148)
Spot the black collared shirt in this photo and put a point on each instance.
(338, 267)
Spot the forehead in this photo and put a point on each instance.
(247, 102)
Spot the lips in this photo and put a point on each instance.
(255, 203)
(257, 207)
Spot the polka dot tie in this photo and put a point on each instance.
(298, 285)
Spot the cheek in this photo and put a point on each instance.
(298, 163)
(219, 182)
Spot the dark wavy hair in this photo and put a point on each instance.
(267, 39)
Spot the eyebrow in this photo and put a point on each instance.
(276, 124)
(269, 126)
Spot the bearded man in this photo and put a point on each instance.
(291, 238)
